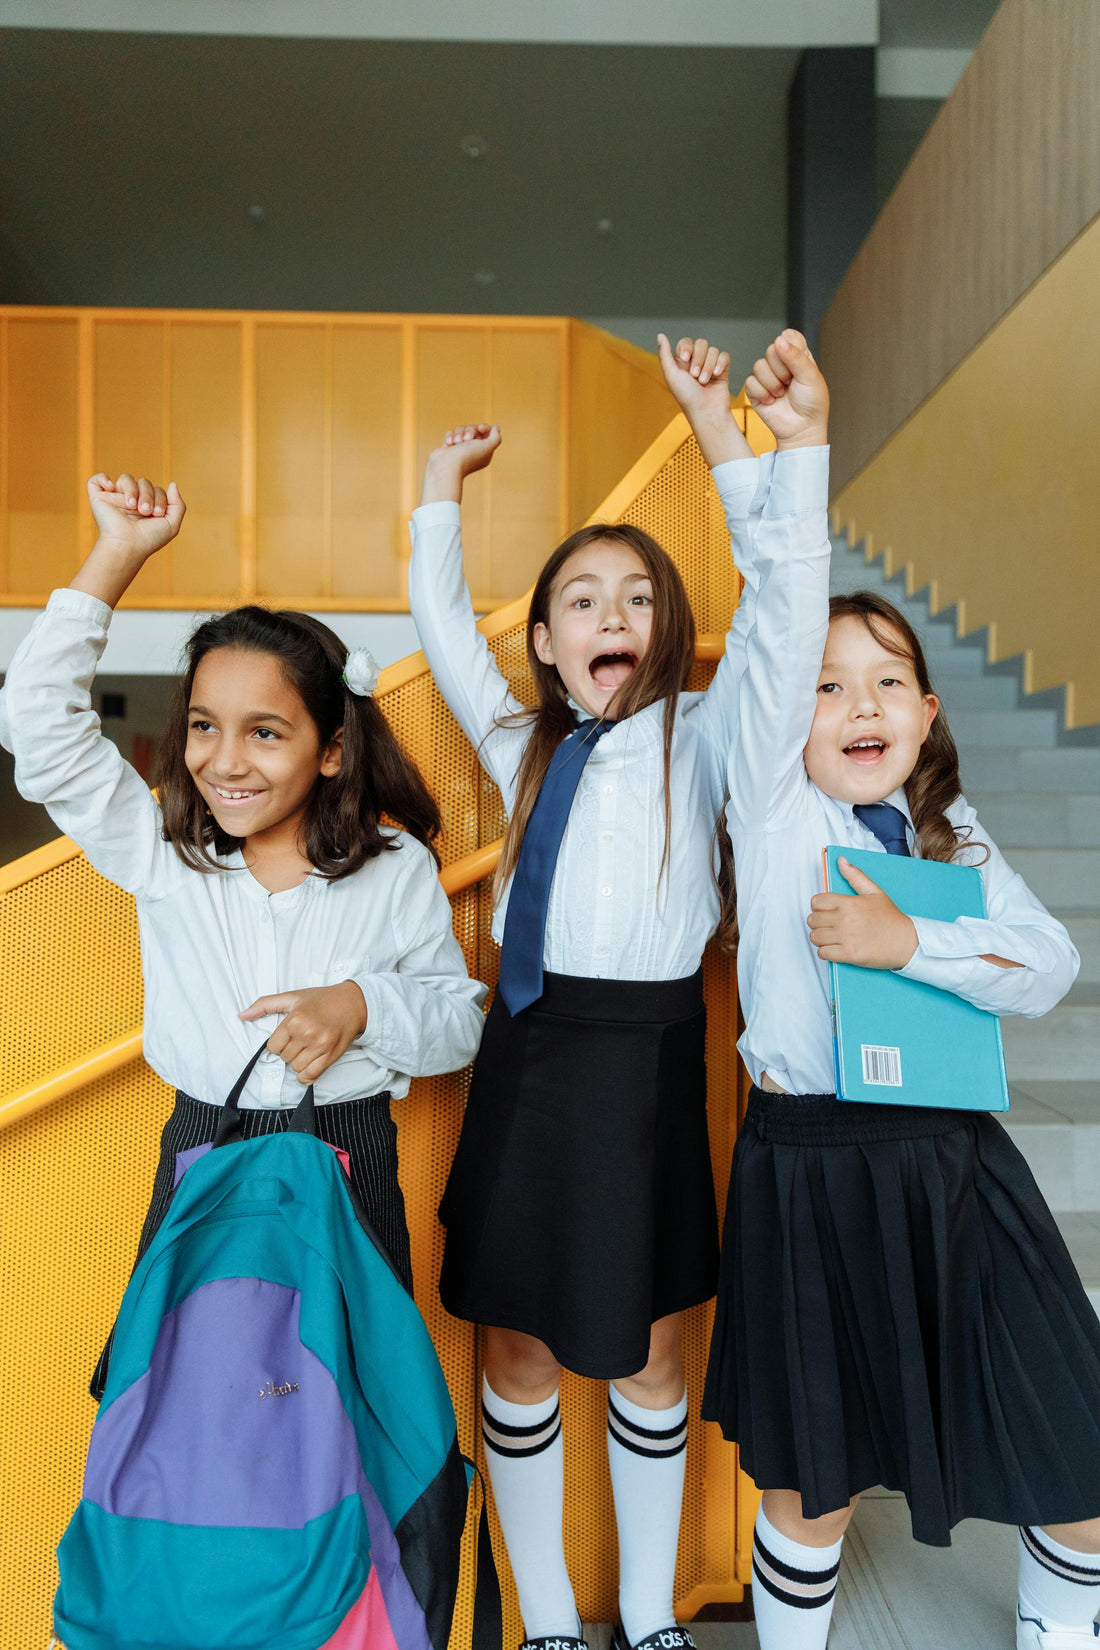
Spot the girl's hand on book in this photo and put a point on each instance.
(865, 928)
(136, 518)
(466, 448)
(787, 389)
(321, 1022)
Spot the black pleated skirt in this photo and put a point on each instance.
(363, 1128)
(580, 1206)
(897, 1307)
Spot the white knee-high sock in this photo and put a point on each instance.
(793, 1588)
(523, 1449)
(1058, 1587)
(645, 1450)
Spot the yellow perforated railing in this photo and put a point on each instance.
(83, 1115)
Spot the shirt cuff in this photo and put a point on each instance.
(737, 481)
(444, 513)
(799, 482)
(955, 974)
(79, 604)
(373, 1033)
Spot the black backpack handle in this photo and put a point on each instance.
(303, 1119)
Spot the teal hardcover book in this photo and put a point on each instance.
(899, 1041)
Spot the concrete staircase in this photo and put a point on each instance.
(1036, 787)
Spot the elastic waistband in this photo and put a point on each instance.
(643, 1001)
(823, 1120)
(384, 1097)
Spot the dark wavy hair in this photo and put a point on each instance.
(342, 827)
(934, 782)
(661, 674)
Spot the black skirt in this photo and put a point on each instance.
(897, 1307)
(580, 1206)
(363, 1128)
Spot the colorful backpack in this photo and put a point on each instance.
(274, 1465)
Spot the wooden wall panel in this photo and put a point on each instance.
(453, 387)
(991, 491)
(40, 435)
(204, 457)
(131, 424)
(293, 385)
(1007, 176)
(299, 441)
(618, 404)
(528, 506)
(369, 534)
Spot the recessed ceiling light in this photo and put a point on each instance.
(474, 148)
(257, 212)
(604, 226)
(485, 277)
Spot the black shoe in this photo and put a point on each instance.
(667, 1638)
(553, 1642)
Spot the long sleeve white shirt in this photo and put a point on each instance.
(212, 944)
(779, 820)
(611, 914)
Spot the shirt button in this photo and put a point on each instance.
(609, 790)
(609, 836)
(602, 950)
(605, 892)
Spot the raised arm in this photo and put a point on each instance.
(465, 671)
(62, 759)
(780, 625)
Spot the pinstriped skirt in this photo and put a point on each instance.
(362, 1128)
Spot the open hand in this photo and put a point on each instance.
(787, 390)
(463, 450)
(321, 1022)
(865, 928)
(137, 518)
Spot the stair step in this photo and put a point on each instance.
(1020, 729)
(1000, 768)
(1064, 1044)
(1062, 1151)
(1084, 931)
(961, 659)
(977, 693)
(1066, 877)
(1026, 819)
(1082, 1235)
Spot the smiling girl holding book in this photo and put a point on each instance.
(896, 1305)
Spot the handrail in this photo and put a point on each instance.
(459, 875)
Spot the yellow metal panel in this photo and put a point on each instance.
(528, 517)
(452, 387)
(40, 437)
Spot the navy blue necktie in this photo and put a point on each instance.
(886, 822)
(525, 925)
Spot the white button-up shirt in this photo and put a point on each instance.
(611, 914)
(779, 820)
(212, 944)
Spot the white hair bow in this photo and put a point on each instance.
(361, 672)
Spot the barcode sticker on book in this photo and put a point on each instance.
(881, 1065)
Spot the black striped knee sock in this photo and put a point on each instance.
(646, 1454)
(1058, 1587)
(793, 1588)
(523, 1450)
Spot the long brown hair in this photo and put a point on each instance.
(661, 674)
(934, 782)
(342, 827)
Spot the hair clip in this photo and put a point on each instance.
(361, 672)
